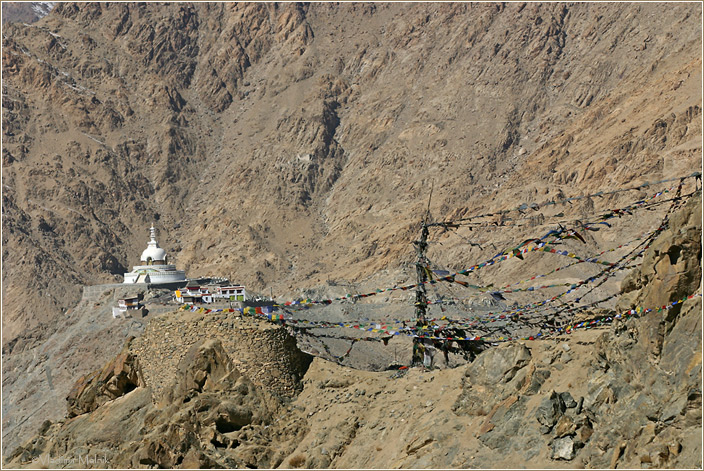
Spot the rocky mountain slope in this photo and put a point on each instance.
(627, 396)
(38, 373)
(293, 147)
(288, 145)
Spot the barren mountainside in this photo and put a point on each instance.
(294, 147)
(626, 395)
(285, 145)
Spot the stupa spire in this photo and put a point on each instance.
(152, 235)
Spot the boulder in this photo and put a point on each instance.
(499, 365)
(568, 400)
(550, 410)
(501, 370)
(563, 449)
(118, 377)
(206, 367)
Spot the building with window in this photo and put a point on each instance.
(230, 293)
(128, 303)
(193, 295)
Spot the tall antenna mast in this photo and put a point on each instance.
(421, 268)
(430, 197)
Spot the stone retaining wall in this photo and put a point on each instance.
(264, 352)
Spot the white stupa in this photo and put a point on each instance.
(154, 268)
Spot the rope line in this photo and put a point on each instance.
(549, 317)
(559, 235)
(588, 323)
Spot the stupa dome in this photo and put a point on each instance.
(155, 253)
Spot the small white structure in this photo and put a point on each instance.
(128, 303)
(155, 268)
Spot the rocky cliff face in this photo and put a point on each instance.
(637, 402)
(287, 145)
(596, 398)
(294, 146)
(210, 409)
(40, 372)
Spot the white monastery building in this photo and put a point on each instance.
(154, 268)
(201, 294)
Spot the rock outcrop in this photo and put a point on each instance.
(641, 394)
(671, 267)
(206, 420)
(205, 411)
(117, 378)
